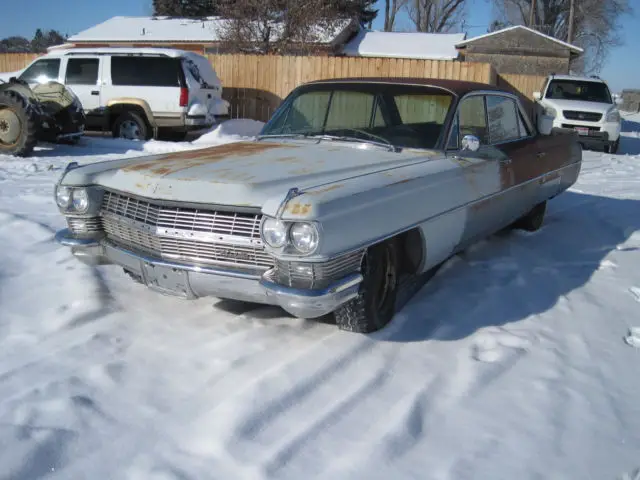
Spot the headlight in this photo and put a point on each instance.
(304, 237)
(63, 197)
(613, 116)
(550, 111)
(80, 200)
(274, 232)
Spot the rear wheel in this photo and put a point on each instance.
(533, 220)
(132, 126)
(375, 304)
(18, 125)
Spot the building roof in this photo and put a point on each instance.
(424, 46)
(570, 46)
(176, 30)
(457, 87)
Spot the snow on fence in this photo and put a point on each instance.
(256, 84)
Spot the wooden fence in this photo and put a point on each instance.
(256, 84)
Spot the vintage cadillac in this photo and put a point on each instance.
(353, 188)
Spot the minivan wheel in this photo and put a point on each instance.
(375, 304)
(131, 126)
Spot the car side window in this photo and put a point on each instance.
(472, 119)
(503, 119)
(44, 70)
(82, 71)
(145, 71)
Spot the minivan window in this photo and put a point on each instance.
(44, 70)
(145, 71)
(579, 90)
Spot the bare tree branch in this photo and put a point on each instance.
(436, 16)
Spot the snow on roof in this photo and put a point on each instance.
(424, 46)
(568, 45)
(169, 29)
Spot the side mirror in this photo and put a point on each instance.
(619, 100)
(537, 95)
(471, 143)
(545, 124)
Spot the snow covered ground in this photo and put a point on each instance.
(511, 363)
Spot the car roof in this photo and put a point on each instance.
(577, 78)
(457, 87)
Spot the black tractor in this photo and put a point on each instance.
(48, 112)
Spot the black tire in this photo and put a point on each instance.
(22, 143)
(613, 147)
(533, 220)
(138, 124)
(368, 312)
(172, 135)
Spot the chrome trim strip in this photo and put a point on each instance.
(336, 287)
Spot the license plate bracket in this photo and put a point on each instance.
(167, 280)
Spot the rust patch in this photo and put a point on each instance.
(175, 162)
(301, 171)
(288, 160)
(326, 189)
(300, 209)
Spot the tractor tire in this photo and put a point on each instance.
(19, 125)
(375, 305)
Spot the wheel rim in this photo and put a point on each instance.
(387, 281)
(130, 130)
(10, 127)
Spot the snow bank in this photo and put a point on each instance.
(231, 130)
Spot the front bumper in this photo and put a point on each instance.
(192, 281)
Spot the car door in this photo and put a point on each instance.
(513, 137)
(487, 170)
(82, 77)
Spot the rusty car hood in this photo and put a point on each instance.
(243, 173)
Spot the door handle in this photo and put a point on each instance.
(541, 154)
(505, 160)
(95, 92)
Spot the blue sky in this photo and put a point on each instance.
(72, 16)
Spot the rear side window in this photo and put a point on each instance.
(82, 71)
(42, 71)
(145, 71)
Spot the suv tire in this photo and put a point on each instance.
(132, 126)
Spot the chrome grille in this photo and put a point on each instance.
(317, 275)
(584, 116)
(185, 234)
(83, 226)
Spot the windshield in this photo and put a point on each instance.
(579, 90)
(397, 115)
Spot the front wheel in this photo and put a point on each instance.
(612, 147)
(18, 125)
(375, 304)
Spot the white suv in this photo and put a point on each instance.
(582, 104)
(136, 93)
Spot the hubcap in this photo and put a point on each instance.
(130, 130)
(9, 126)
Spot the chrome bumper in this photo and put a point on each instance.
(191, 281)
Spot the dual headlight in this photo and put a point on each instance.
(72, 199)
(302, 236)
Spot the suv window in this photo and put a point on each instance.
(146, 71)
(43, 70)
(82, 71)
(579, 90)
(503, 119)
